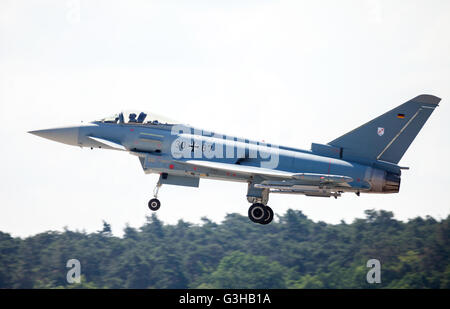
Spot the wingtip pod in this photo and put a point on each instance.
(427, 99)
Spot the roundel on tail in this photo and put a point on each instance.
(380, 131)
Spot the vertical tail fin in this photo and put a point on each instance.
(388, 136)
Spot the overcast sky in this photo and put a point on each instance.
(287, 72)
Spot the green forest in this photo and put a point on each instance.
(292, 252)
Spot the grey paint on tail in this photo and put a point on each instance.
(388, 136)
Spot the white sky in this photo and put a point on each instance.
(288, 72)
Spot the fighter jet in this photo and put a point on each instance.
(364, 160)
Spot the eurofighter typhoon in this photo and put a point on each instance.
(364, 160)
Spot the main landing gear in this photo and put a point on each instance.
(259, 213)
(154, 203)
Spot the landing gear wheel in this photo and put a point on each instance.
(154, 204)
(268, 216)
(257, 213)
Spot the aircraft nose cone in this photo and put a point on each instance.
(65, 135)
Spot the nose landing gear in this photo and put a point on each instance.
(154, 204)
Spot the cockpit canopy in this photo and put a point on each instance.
(137, 117)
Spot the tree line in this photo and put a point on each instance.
(291, 252)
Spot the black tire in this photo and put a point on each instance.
(257, 213)
(154, 204)
(268, 216)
